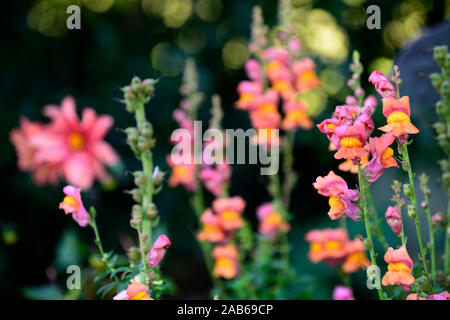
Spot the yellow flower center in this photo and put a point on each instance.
(141, 295)
(331, 126)
(308, 76)
(180, 171)
(281, 86)
(336, 204)
(315, 246)
(273, 65)
(350, 142)
(274, 218)
(332, 245)
(246, 96)
(357, 257)
(71, 203)
(398, 267)
(397, 116)
(387, 154)
(76, 141)
(268, 107)
(230, 215)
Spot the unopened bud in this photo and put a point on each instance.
(407, 190)
(412, 213)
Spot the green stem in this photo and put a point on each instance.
(98, 242)
(288, 162)
(414, 202)
(377, 222)
(431, 246)
(402, 237)
(367, 224)
(147, 197)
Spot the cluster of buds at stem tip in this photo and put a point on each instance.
(138, 92)
(441, 84)
(396, 76)
(140, 141)
(355, 81)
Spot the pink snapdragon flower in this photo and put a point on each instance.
(214, 178)
(351, 141)
(382, 84)
(400, 267)
(343, 293)
(73, 204)
(382, 156)
(229, 211)
(212, 230)
(394, 219)
(270, 221)
(134, 291)
(341, 197)
(328, 245)
(158, 250)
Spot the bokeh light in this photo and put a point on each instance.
(167, 58)
(235, 53)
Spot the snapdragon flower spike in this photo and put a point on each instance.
(382, 84)
(394, 219)
(270, 221)
(212, 230)
(382, 156)
(399, 268)
(342, 293)
(356, 257)
(73, 204)
(398, 113)
(158, 250)
(229, 211)
(226, 261)
(134, 291)
(341, 197)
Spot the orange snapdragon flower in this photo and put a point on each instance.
(229, 211)
(327, 245)
(212, 230)
(226, 264)
(398, 114)
(270, 221)
(135, 291)
(399, 268)
(356, 257)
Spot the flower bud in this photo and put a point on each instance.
(411, 211)
(407, 190)
(139, 178)
(151, 211)
(394, 219)
(436, 80)
(441, 108)
(136, 212)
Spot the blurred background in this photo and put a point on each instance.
(43, 61)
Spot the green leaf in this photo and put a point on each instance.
(103, 290)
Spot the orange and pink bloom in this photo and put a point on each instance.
(382, 156)
(400, 266)
(398, 114)
(134, 291)
(271, 221)
(341, 198)
(73, 204)
(229, 211)
(226, 263)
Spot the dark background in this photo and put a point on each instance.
(42, 62)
